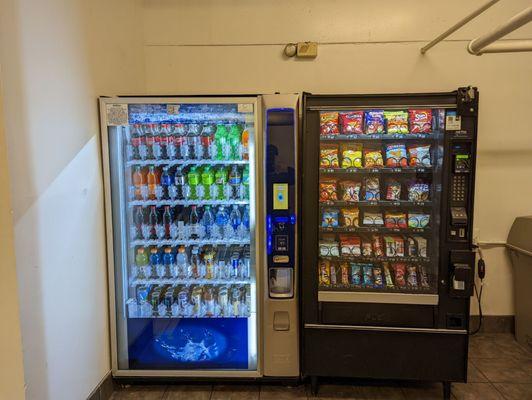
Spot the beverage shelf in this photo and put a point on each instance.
(379, 229)
(381, 170)
(189, 281)
(189, 317)
(191, 242)
(160, 203)
(377, 137)
(377, 259)
(170, 163)
(380, 203)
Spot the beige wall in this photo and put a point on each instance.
(12, 372)
(235, 46)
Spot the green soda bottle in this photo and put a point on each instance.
(220, 179)
(141, 260)
(245, 181)
(207, 180)
(220, 139)
(234, 141)
(193, 181)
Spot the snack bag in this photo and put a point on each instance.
(352, 155)
(350, 245)
(368, 275)
(329, 218)
(419, 155)
(367, 249)
(411, 276)
(377, 277)
(423, 277)
(334, 274)
(352, 122)
(420, 121)
(373, 158)
(418, 220)
(324, 272)
(396, 121)
(378, 249)
(394, 220)
(329, 123)
(344, 273)
(399, 246)
(374, 121)
(372, 185)
(393, 190)
(350, 190)
(396, 155)
(388, 276)
(373, 218)
(418, 191)
(400, 271)
(328, 248)
(421, 246)
(329, 156)
(356, 274)
(411, 247)
(350, 217)
(328, 191)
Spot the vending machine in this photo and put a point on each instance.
(201, 212)
(387, 265)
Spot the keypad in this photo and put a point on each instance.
(458, 188)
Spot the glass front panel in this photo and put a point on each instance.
(182, 182)
(379, 194)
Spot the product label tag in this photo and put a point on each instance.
(116, 114)
(453, 122)
(245, 107)
(172, 109)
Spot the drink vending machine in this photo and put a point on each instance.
(201, 212)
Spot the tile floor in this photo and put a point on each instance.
(499, 369)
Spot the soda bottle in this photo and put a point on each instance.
(245, 144)
(171, 151)
(179, 182)
(207, 180)
(209, 302)
(194, 141)
(193, 181)
(235, 217)
(168, 262)
(167, 221)
(164, 140)
(234, 140)
(166, 182)
(220, 140)
(138, 220)
(155, 260)
(223, 301)
(150, 140)
(221, 217)
(207, 134)
(138, 182)
(193, 222)
(221, 180)
(181, 262)
(141, 259)
(245, 181)
(245, 217)
(152, 182)
(209, 264)
(181, 141)
(137, 140)
(235, 179)
(195, 263)
(207, 220)
(196, 296)
(152, 221)
(155, 128)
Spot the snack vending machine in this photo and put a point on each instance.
(388, 265)
(197, 190)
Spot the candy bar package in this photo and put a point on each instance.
(372, 186)
(399, 246)
(396, 121)
(344, 273)
(329, 156)
(395, 220)
(329, 248)
(377, 277)
(421, 246)
(374, 121)
(378, 248)
(352, 155)
(356, 274)
(373, 158)
(352, 122)
(350, 217)
(418, 220)
(419, 155)
(329, 123)
(396, 155)
(350, 245)
(368, 275)
(367, 247)
(334, 274)
(388, 276)
(350, 190)
(411, 276)
(418, 191)
(420, 121)
(329, 218)
(411, 247)
(373, 218)
(394, 246)
(399, 272)
(423, 277)
(324, 272)
(328, 190)
(393, 190)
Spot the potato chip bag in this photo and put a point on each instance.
(350, 217)
(373, 218)
(419, 155)
(328, 248)
(372, 186)
(395, 220)
(396, 155)
(418, 191)
(329, 123)
(373, 158)
(374, 121)
(418, 220)
(351, 122)
(350, 190)
(393, 190)
(349, 245)
(420, 121)
(352, 155)
(396, 121)
(329, 218)
(329, 156)
(328, 190)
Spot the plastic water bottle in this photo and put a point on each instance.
(168, 262)
(245, 217)
(235, 218)
(207, 220)
(181, 261)
(222, 219)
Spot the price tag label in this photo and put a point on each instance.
(116, 114)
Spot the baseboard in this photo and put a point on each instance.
(493, 323)
(104, 390)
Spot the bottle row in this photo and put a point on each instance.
(384, 275)
(207, 183)
(208, 263)
(188, 141)
(190, 301)
(190, 223)
(350, 218)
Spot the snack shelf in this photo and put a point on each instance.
(185, 162)
(378, 229)
(382, 170)
(377, 137)
(179, 318)
(372, 289)
(191, 242)
(160, 203)
(377, 259)
(380, 203)
(188, 281)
